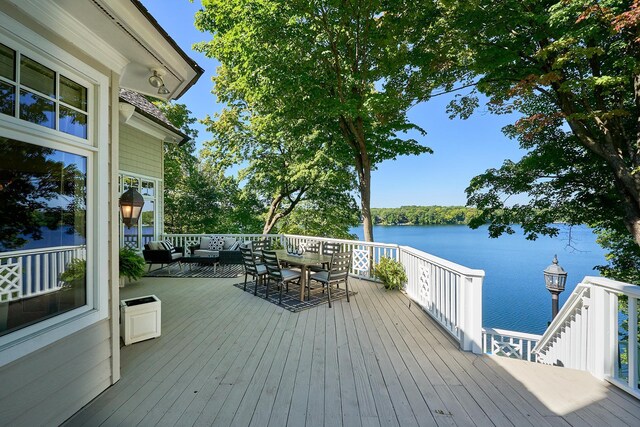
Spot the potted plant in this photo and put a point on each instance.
(131, 266)
(72, 292)
(391, 273)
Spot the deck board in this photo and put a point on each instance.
(226, 357)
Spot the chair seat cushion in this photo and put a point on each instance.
(176, 255)
(206, 253)
(320, 276)
(289, 274)
(261, 268)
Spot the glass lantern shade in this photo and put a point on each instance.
(131, 203)
(555, 277)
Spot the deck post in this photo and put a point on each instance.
(603, 356)
(471, 290)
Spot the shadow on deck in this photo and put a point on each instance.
(226, 357)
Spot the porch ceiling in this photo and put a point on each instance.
(226, 357)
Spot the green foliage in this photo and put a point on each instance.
(75, 271)
(623, 256)
(344, 71)
(201, 198)
(131, 264)
(571, 69)
(391, 273)
(423, 215)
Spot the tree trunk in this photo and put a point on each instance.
(365, 203)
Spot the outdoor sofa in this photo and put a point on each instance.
(156, 252)
(226, 248)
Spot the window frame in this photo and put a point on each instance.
(96, 149)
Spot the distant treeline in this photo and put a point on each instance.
(423, 215)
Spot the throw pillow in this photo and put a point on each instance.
(204, 242)
(169, 245)
(235, 246)
(228, 242)
(216, 243)
(154, 246)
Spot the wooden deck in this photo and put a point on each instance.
(226, 357)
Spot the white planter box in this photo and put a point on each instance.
(140, 319)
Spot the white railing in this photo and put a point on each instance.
(187, 240)
(450, 293)
(366, 255)
(33, 272)
(512, 344)
(586, 333)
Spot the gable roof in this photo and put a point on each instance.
(146, 108)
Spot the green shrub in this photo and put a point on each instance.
(391, 273)
(76, 270)
(131, 264)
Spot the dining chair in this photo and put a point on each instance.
(252, 268)
(337, 273)
(281, 276)
(328, 248)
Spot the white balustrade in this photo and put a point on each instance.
(450, 293)
(587, 333)
(187, 240)
(516, 345)
(33, 272)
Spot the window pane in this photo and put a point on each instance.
(147, 221)
(73, 122)
(37, 109)
(73, 94)
(131, 236)
(43, 206)
(7, 99)
(130, 182)
(37, 76)
(7, 63)
(147, 188)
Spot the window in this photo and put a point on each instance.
(45, 97)
(43, 234)
(54, 242)
(146, 230)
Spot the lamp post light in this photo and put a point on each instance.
(131, 203)
(555, 278)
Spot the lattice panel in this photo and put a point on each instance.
(360, 261)
(506, 348)
(10, 281)
(424, 285)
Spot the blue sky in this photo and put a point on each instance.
(462, 148)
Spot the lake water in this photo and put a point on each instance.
(514, 295)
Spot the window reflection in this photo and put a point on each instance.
(7, 62)
(7, 98)
(37, 109)
(37, 77)
(73, 94)
(73, 122)
(43, 210)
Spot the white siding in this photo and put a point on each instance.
(140, 153)
(50, 385)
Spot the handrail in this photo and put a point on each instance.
(443, 262)
(614, 285)
(345, 241)
(566, 311)
(50, 249)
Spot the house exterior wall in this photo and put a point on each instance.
(140, 153)
(48, 385)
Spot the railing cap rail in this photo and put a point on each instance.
(466, 271)
(50, 249)
(346, 241)
(613, 285)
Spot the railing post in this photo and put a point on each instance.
(471, 321)
(603, 355)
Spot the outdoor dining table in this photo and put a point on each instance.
(304, 261)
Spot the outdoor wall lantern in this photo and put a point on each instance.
(131, 203)
(555, 278)
(156, 81)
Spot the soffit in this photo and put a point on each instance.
(122, 35)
